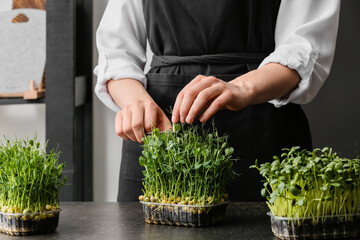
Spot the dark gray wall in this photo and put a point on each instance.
(334, 115)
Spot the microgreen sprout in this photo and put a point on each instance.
(30, 178)
(316, 183)
(186, 165)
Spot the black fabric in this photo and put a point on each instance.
(197, 37)
(219, 59)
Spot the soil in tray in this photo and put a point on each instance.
(17, 225)
(332, 228)
(183, 215)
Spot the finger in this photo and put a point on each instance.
(119, 126)
(204, 98)
(127, 124)
(214, 107)
(150, 117)
(164, 123)
(137, 121)
(175, 113)
(191, 94)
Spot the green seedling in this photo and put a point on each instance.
(186, 165)
(314, 184)
(30, 178)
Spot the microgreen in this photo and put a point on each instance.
(302, 183)
(186, 165)
(30, 178)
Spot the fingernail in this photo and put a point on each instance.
(173, 119)
(188, 119)
(182, 119)
(201, 118)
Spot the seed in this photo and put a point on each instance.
(191, 203)
(50, 215)
(43, 216)
(141, 197)
(48, 207)
(164, 201)
(178, 199)
(26, 211)
(209, 199)
(222, 200)
(152, 199)
(147, 199)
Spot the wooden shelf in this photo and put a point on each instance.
(10, 101)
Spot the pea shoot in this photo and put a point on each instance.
(316, 183)
(30, 178)
(187, 165)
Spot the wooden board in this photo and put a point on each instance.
(21, 18)
(22, 47)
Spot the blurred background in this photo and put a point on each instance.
(334, 115)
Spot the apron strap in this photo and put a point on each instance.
(253, 59)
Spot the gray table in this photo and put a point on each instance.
(245, 221)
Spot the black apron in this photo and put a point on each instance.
(222, 38)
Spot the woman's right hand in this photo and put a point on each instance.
(139, 117)
(139, 112)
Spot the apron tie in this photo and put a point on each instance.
(253, 59)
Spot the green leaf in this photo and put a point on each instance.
(229, 151)
(335, 184)
(301, 201)
(263, 192)
(281, 187)
(295, 190)
(142, 161)
(297, 160)
(197, 166)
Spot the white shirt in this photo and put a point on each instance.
(305, 39)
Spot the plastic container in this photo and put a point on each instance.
(326, 227)
(20, 224)
(184, 215)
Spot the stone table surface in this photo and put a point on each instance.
(103, 221)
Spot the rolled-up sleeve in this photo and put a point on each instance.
(305, 39)
(121, 43)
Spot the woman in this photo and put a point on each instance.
(256, 60)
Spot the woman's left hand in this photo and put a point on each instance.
(209, 94)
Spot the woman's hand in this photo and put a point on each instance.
(134, 119)
(138, 111)
(209, 94)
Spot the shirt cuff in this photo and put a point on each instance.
(300, 58)
(105, 73)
